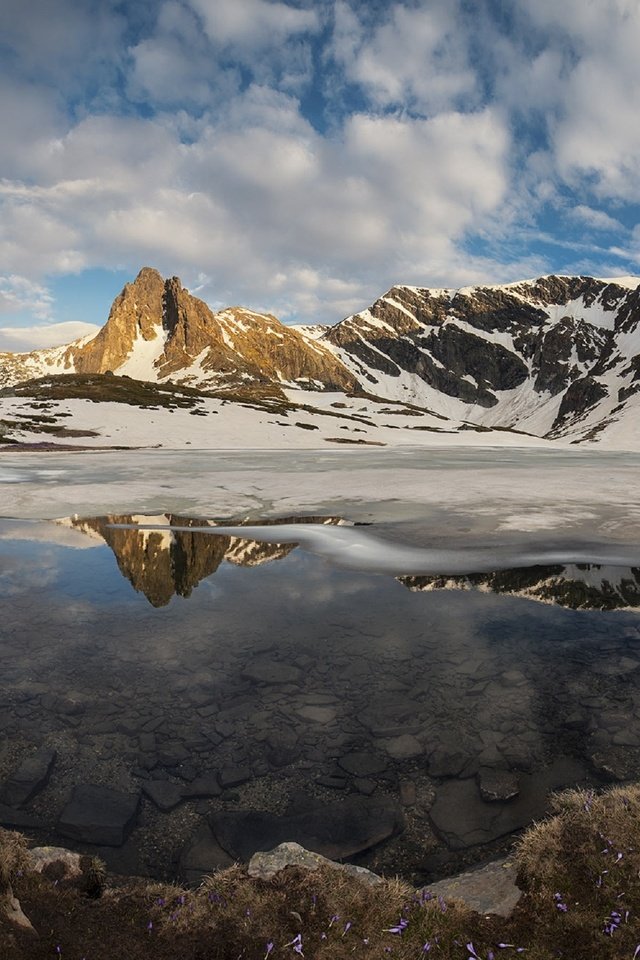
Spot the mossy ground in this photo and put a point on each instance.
(580, 871)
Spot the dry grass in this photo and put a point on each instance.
(580, 871)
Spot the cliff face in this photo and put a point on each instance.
(157, 330)
(544, 356)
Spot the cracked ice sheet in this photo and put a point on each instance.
(430, 495)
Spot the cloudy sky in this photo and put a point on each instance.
(300, 156)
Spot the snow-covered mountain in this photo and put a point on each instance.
(556, 358)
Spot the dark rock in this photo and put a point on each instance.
(204, 786)
(365, 786)
(99, 814)
(362, 764)
(403, 747)
(336, 830)
(333, 783)
(202, 856)
(19, 819)
(31, 776)
(447, 761)
(283, 748)
(497, 784)
(234, 776)
(271, 671)
(163, 793)
(408, 793)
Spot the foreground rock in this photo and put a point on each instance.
(100, 815)
(488, 889)
(31, 776)
(335, 830)
(265, 865)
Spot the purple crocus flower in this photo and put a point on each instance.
(400, 926)
(269, 949)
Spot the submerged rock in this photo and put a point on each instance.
(202, 856)
(31, 776)
(99, 814)
(336, 830)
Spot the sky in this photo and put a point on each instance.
(302, 156)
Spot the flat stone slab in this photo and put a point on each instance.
(19, 819)
(98, 814)
(164, 794)
(271, 671)
(31, 776)
(202, 787)
(317, 714)
(403, 747)
(362, 764)
(265, 865)
(491, 888)
(336, 830)
(463, 819)
(202, 856)
(234, 776)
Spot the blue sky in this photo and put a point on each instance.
(300, 157)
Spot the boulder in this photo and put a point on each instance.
(99, 814)
(487, 889)
(497, 784)
(265, 865)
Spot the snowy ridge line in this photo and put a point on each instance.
(351, 547)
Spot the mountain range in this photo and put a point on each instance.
(556, 358)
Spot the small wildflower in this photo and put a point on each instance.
(400, 926)
(442, 904)
(426, 946)
(323, 935)
(269, 949)
(150, 926)
(347, 927)
(472, 952)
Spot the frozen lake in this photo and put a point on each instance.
(474, 635)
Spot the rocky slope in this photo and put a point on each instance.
(157, 331)
(557, 357)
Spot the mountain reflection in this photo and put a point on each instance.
(165, 563)
(161, 564)
(582, 586)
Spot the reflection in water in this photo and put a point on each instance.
(298, 684)
(163, 563)
(584, 586)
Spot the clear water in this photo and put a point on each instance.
(164, 657)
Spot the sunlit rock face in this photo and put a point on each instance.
(157, 330)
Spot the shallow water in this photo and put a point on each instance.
(167, 657)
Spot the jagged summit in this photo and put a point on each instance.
(157, 330)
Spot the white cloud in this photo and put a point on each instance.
(18, 294)
(418, 58)
(253, 24)
(596, 219)
(23, 339)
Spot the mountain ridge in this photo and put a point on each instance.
(557, 357)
